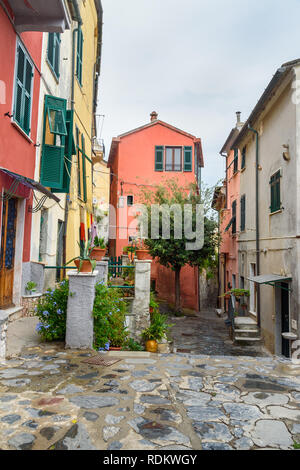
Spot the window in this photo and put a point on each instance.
(242, 282)
(159, 158)
(81, 166)
(129, 200)
(243, 213)
(53, 53)
(58, 145)
(236, 161)
(79, 55)
(275, 192)
(243, 164)
(23, 90)
(234, 217)
(173, 159)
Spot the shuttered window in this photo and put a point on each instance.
(53, 52)
(83, 168)
(243, 164)
(159, 158)
(23, 90)
(234, 217)
(275, 192)
(243, 213)
(236, 161)
(54, 140)
(79, 55)
(188, 159)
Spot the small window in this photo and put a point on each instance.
(23, 90)
(243, 213)
(79, 55)
(173, 159)
(129, 200)
(53, 53)
(159, 158)
(236, 161)
(234, 217)
(243, 164)
(275, 192)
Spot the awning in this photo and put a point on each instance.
(29, 183)
(40, 15)
(269, 279)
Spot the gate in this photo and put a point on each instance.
(115, 266)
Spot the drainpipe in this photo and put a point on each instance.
(257, 223)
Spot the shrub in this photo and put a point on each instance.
(158, 328)
(109, 318)
(132, 345)
(52, 312)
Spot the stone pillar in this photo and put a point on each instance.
(140, 308)
(102, 268)
(80, 322)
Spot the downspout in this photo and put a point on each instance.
(257, 223)
(75, 31)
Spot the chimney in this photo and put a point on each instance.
(239, 124)
(153, 116)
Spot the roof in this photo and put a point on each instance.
(117, 140)
(269, 92)
(232, 136)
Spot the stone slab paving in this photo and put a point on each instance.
(50, 399)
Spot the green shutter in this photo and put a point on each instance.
(23, 91)
(188, 158)
(236, 161)
(243, 213)
(159, 158)
(83, 168)
(50, 52)
(243, 164)
(53, 53)
(79, 55)
(52, 166)
(275, 192)
(53, 161)
(234, 217)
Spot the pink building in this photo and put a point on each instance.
(145, 157)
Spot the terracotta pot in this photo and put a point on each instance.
(86, 266)
(115, 348)
(142, 254)
(98, 253)
(151, 346)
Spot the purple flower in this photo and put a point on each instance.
(59, 312)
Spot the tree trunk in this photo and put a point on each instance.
(177, 289)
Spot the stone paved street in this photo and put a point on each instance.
(50, 399)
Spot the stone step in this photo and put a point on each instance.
(247, 340)
(247, 333)
(245, 323)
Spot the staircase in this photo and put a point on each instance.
(246, 331)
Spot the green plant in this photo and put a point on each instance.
(99, 243)
(109, 318)
(157, 329)
(52, 312)
(154, 305)
(85, 251)
(132, 345)
(296, 446)
(129, 249)
(237, 293)
(31, 286)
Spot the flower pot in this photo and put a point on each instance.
(142, 254)
(98, 253)
(86, 266)
(151, 346)
(115, 348)
(163, 348)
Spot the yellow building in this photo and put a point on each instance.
(86, 60)
(101, 190)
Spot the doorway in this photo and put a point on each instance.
(7, 257)
(285, 318)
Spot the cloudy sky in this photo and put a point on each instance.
(195, 62)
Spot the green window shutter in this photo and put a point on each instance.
(234, 217)
(275, 192)
(70, 150)
(243, 164)
(83, 168)
(50, 52)
(53, 161)
(159, 158)
(52, 166)
(53, 53)
(243, 213)
(188, 159)
(23, 91)
(79, 55)
(236, 161)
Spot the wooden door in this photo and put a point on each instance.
(7, 258)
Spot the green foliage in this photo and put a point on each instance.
(85, 251)
(158, 328)
(153, 303)
(132, 345)
(30, 286)
(296, 446)
(109, 318)
(129, 249)
(237, 293)
(99, 243)
(52, 312)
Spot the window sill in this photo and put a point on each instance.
(276, 212)
(19, 129)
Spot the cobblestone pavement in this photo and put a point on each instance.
(50, 399)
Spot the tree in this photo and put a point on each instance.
(172, 252)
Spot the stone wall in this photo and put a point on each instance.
(3, 329)
(29, 303)
(140, 305)
(209, 291)
(34, 272)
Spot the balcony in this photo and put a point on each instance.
(39, 15)
(98, 150)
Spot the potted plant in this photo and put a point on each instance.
(153, 305)
(156, 332)
(130, 251)
(98, 249)
(30, 287)
(142, 251)
(84, 262)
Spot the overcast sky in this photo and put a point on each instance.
(195, 62)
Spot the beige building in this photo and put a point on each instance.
(101, 188)
(269, 245)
